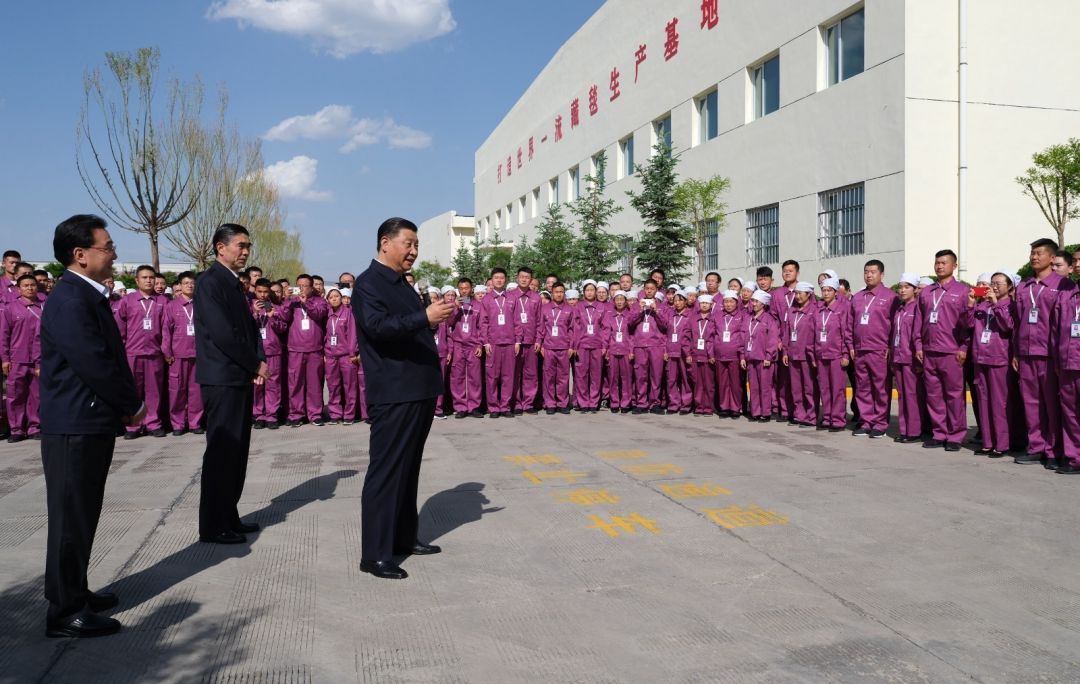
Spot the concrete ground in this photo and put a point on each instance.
(584, 548)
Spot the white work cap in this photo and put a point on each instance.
(1016, 279)
(573, 294)
(833, 283)
(619, 293)
(707, 298)
(762, 296)
(984, 277)
(434, 290)
(587, 281)
(803, 286)
(730, 294)
(702, 286)
(831, 273)
(752, 286)
(447, 289)
(925, 281)
(480, 289)
(346, 292)
(909, 278)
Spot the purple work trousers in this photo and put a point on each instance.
(268, 395)
(945, 399)
(185, 398)
(678, 384)
(526, 378)
(620, 381)
(1042, 404)
(149, 372)
(500, 377)
(704, 386)
(783, 402)
(729, 386)
(762, 391)
(23, 400)
(911, 398)
(465, 381)
(342, 385)
(443, 402)
(588, 376)
(992, 405)
(832, 387)
(648, 375)
(873, 389)
(1070, 415)
(803, 391)
(305, 385)
(556, 378)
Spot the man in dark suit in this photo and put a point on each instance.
(87, 396)
(229, 361)
(401, 366)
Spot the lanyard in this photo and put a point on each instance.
(36, 315)
(750, 327)
(798, 317)
(264, 319)
(499, 302)
(521, 303)
(189, 311)
(937, 299)
(618, 322)
(589, 314)
(333, 326)
(702, 324)
(146, 311)
(1035, 297)
(899, 317)
(871, 303)
(790, 300)
(465, 314)
(1076, 316)
(728, 318)
(825, 319)
(675, 321)
(557, 313)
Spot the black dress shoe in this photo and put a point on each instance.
(837, 429)
(383, 569)
(460, 414)
(1028, 459)
(877, 434)
(269, 426)
(495, 414)
(1051, 463)
(246, 528)
(983, 451)
(15, 439)
(565, 409)
(1068, 469)
(994, 453)
(99, 601)
(422, 549)
(131, 435)
(201, 431)
(179, 433)
(82, 626)
(160, 432)
(952, 446)
(258, 425)
(549, 412)
(932, 444)
(227, 537)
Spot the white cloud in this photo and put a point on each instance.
(344, 27)
(295, 178)
(337, 121)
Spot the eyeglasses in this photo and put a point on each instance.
(108, 249)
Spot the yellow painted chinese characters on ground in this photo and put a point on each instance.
(751, 516)
(623, 524)
(646, 469)
(588, 497)
(693, 490)
(539, 476)
(533, 459)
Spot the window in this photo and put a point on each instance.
(553, 190)
(535, 203)
(521, 210)
(766, 84)
(840, 221)
(498, 220)
(706, 108)
(844, 41)
(597, 171)
(662, 131)
(626, 255)
(712, 242)
(763, 235)
(575, 184)
(509, 216)
(626, 154)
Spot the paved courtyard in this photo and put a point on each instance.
(584, 548)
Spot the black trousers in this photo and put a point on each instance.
(228, 440)
(75, 470)
(388, 516)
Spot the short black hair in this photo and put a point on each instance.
(283, 281)
(791, 262)
(715, 274)
(184, 275)
(845, 284)
(552, 275)
(11, 253)
(160, 275)
(1064, 255)
(497, 269)
(302, 276)
(345, 273)
(43, 272)
(75, 232)
(876, 262)
(525, 269)
(251, 269)
(950, 253)
(391, 227)
(650, 281)
(558, 283)
(764, 272)
(657, 270)
(463, 279)
(225, 234)
(26, 276)
(146, 267)
(1045, 242)
(628, 275)
(317, 277)
(263, 282)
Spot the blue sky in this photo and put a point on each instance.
(364, 115)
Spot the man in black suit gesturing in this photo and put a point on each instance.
(87, 395)
(229, 361)
(401, 365)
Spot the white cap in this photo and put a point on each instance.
(707, 298)
(803, 286)
(573, 294)
(702, 285)
(675, 287)
(682, 293)
(619, 293)
(601, 286)
(346, 292)
(587, 281)
(909, 278)
(447, 289)
(831, 273)
(730, 294)
(762, 296)
(925, 281)
(1016, 279)
(752, 286)
(691, 289)
(480, 289)
(738, 280)
(984, 277)
(434, 290)
(834, 283)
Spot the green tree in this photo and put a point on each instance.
(555, 248)
(55, 268)
(1054, 183)
(496, 254)
(469, 260)
(666, 241)
(698, 204)
(596, 251)
(433, 273)
(524, 255)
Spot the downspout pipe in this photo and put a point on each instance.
(962, 133)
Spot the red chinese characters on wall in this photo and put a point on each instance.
(509, 166)
(593, 106)
(531, 148)
(575, 113)
(639, 57)
(500, 173)
(558, 127)
(519, 158)
(615, 92)
(710, 14)
(671, 44)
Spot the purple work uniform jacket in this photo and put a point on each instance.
(557, 326)
(464, 332)
(872, 312)
(526, 314)
(783, 301)
(340, 338)
(992, 328)
(142, 323)
(20, 332)
(443, 339)
(1031, 334)
(903, 342)
(1065, 341)
(178, 338)
(761, 338)
(941, 319)
(650, 329)
(699, 342)
(273, 327)
(315, 311)
(734, 324)
(497, 320)
(589, 329)
(678, 331)
(617, 325)
(831, 331)
(797, 339)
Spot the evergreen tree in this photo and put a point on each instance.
(496, 255)
(596, 251)
(524, 255)
(469, 261)
(555, 246)
(666, 241)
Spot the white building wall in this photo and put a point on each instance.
(441, 236)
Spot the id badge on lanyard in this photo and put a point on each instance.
(618, 336)
(984, 338)
(1075, 330)
(864, 319)
(823, 336)
(794, 336)
(554, 331)
(589, 329)
(727, 336)
(675, 338)
(701, 344)
(933, 317)
(524, 317)
(305, 324)
(645, 326)
(262, 333)
(502, 319)
(333, 340)
(1033, 316)
(147, 324)
(191, 330)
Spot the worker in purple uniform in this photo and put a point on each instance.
(676, 368)
(783, 301)
(273, 322)
(142, 317)
(444, 343)
(699, 348)
(1035, 298)
(831, 345)
(872, 312)
(648, 338)
(466, 381)
(307, 320)
(941, 342)
(341, 353)
(989, 316)
(620, 351)
(730, 324)
(759, 356)
(178, 348)
(554, 344)
(907, 371)
(502, 342)
(20, 356)
(589, 344)
(526, 305)
(796, 343)
(1065, 347)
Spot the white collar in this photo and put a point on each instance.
(97, 286)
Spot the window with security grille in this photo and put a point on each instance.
(840, 221)
(626, 255)
(763, 235)
(712, 241)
